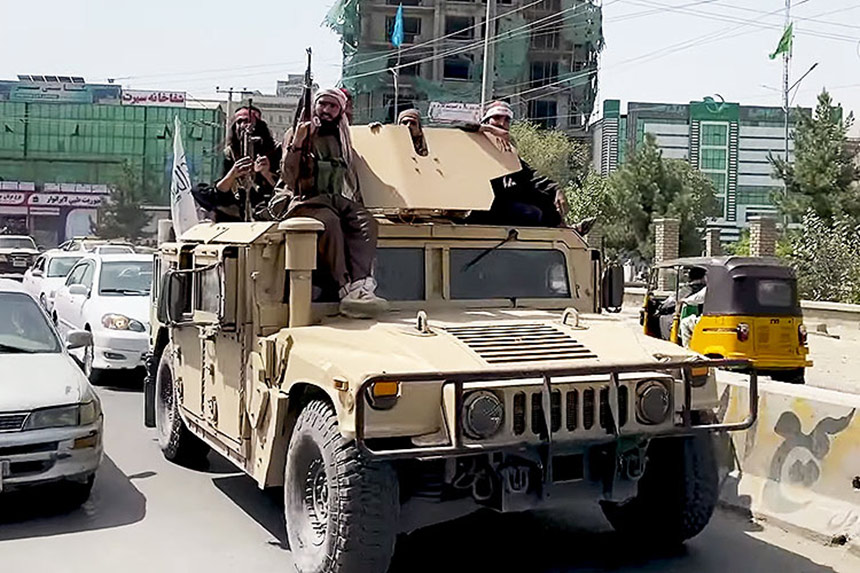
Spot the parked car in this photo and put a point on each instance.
(107, 295)
(17, 253)
(48, 274)
(50, 417)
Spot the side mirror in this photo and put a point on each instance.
(174, 297)
(37, 273)
(79, 339)
(612, 289)
(79, 290)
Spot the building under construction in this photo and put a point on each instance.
(545, 56)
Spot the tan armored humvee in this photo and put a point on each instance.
(495, 381)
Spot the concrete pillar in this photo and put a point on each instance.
(762, 237)
(713, 247)
(165, 231)
(666, 237)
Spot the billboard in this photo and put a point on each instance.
(163, 99)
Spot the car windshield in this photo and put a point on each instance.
(114, 250)
(24, 329)
(17, 243)
(61, 266)
(508, 273)
(126, 278)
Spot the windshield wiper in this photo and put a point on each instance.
(512, 236)
(16, 349)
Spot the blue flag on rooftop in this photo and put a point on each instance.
(397, 33)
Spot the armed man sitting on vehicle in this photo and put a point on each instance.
(321, 183)
(411, 118)
(251, 162)
(522, 198)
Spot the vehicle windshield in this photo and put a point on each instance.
(113, 250)
(61, 266)
(508, 273)
(17, 243)
(132, 278)
(24, 329)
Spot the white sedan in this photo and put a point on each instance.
(108, 295)
(48, 274)
(50, 417)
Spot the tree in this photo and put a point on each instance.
(824, 175)
(123, 217)
(824, 255)
(648, 187)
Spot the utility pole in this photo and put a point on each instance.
(786, 60)
(488, 84)
(229, 113)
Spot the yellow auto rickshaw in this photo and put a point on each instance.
(730, 307)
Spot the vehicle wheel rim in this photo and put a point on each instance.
(316, 500)
(88, 362)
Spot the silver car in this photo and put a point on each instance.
(50, 417)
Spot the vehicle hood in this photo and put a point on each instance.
(357, 349)
(136, 307)
(18, 251)
(33, 381)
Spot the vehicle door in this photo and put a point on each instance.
(33, 278)
(67, 305)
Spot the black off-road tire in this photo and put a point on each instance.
(677, 494)
(341, 510)
(177, 443)
(73, 494)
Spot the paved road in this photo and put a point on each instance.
(147, 515)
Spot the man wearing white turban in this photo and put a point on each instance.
(318, 171)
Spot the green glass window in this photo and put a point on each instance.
(713, 158)
(756, 194)
(719, 181)
(714, 134)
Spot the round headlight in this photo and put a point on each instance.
(483, 415)
(652, 402)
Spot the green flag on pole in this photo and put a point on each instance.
(784, 45)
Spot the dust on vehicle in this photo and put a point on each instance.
(495, 381)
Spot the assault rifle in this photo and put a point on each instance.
(248, 146)
(304, 114)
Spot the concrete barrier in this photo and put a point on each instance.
(799, 465)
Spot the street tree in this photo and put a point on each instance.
(122, 216)
(648, 187)
(824, 174)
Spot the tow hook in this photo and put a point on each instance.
(631, 464)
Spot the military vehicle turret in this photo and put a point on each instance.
(495, 381)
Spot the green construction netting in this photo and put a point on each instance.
(344, 19)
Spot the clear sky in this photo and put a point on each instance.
(653, 52)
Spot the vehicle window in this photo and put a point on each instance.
(775, 293)
(23, 327)
(400, 273)
(17, 243)
(208, 295)
(114, 250)
(60, 266)
(87, 278)
(508, 273)
(39, 265)
(126, 278)
(76, 275)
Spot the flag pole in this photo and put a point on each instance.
(396, 72)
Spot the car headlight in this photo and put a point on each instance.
(64, 416)
(483, 415)
(122, 322)
(652, 402)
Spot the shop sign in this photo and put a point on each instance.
(12, 198)
(64, 200)
(141, 97)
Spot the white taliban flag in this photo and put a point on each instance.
(183, 209)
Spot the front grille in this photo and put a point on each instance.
(503, 344)
(583, 409)
(12, 422)
(28, 449)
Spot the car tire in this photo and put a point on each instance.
(677, 493)
(74, 494)
(341, 510)
(793, 376)
(176, 441)
(94, 375)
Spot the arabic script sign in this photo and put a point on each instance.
(63, 200)
(455, 112)
(141, 97)
(12, 198)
